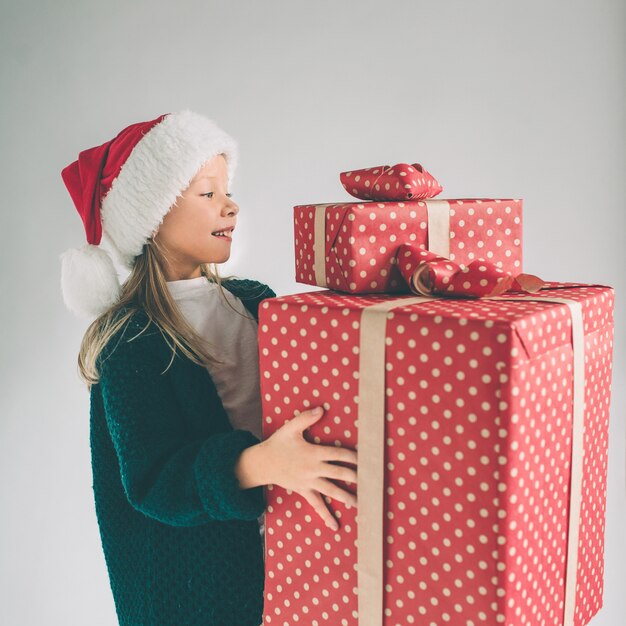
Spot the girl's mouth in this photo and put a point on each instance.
(224, 234)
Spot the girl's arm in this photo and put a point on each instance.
(250, 465)
(166, 474)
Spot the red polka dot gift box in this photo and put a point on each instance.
(398, 182)
(350, 246)
(481, 425)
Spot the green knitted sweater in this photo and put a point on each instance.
(180, 537)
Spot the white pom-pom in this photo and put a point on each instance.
(89, 280)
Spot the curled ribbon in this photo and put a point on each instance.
(399, 182)
(428, 273)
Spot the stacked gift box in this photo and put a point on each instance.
(477, 397)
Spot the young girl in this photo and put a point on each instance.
(171, 363)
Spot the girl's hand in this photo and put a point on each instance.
(294, 463)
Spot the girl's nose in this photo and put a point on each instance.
(231, 207)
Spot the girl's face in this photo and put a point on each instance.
(202, 209)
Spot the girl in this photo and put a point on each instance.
(171, 363)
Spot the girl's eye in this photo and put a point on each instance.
(210, 194)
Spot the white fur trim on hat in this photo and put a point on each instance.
(89, 280)
(158, 169)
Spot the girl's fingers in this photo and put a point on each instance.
(333, 491)
(338, 472)
(305, 419)
(336, 453)
(314, 498)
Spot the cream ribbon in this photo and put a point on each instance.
(438, 234)
(438, 227)
(371, 448)
(319, 244)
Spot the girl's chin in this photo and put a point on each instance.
(218, 257)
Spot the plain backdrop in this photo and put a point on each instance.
(495, 98)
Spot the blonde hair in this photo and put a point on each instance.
(146, 289)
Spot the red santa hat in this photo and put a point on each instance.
(123, 189)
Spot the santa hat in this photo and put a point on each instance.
(123, 189)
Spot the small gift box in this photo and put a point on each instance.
(481, 426)
(351, 246)
(399, 182)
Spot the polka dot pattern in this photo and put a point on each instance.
(361, 239)
(478, 420)
(399, 182)
(428, 273)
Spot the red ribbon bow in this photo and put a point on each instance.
(400, 182)
(427, 273)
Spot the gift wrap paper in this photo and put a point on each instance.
(350, 246)
(481, 426)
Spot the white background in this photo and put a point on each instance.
(495, 99)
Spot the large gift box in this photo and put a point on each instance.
(481, 427)
(350, 246)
